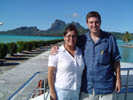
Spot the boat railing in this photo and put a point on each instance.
(37, 85)
(127, 85)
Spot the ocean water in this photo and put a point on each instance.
(126, 53)
(14, 38)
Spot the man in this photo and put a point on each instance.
(102, 59)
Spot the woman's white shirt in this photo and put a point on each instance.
(68, 69)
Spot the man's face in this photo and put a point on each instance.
(94, 24)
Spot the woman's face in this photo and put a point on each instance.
(70, 38)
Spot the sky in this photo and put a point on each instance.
(117, 15)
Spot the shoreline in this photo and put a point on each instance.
(127, 46)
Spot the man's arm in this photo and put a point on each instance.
(54, 50)
(116, 65)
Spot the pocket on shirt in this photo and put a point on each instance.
(104, 58)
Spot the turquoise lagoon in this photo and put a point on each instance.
(126, 53)
(15, 38)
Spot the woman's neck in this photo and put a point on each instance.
(70, 49)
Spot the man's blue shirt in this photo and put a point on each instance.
(99, 58)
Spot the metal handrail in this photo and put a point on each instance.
(21, 88)
(126, 89)
(126, 69)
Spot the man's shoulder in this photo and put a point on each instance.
(81, 41)
(107, 34)
(83, 36)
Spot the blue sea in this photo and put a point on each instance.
(15, 38)
(126, 53)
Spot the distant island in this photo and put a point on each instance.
(56, 29)
(127, 46)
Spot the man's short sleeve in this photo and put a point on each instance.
(52, 61)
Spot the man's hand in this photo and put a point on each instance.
(53, 96)
(118, 85)
(54, 50)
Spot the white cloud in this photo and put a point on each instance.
(75, 15)
(1, 23)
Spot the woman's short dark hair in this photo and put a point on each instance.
(93, 14)
(69, 28)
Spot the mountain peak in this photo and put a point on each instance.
(57, 25)
(27, 28)
(57, 29)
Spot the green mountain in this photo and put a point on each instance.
(22, 31)
(56, 29)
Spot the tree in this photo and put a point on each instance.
(3, 50)
(12, 48)
(126, 37)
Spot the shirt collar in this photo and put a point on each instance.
(88, 36)
(62, 48)
(101, 38)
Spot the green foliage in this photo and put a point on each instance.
(53, 41)
(3, 50)
(28, 45)
(126, 37)
(21, 46)
(12, 48)
(41, 43)
(35, 44)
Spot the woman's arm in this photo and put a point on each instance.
(51, 71)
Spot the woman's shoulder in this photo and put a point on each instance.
(61, 48)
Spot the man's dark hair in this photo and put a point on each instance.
(93, 14)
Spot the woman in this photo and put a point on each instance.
(65, 68)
